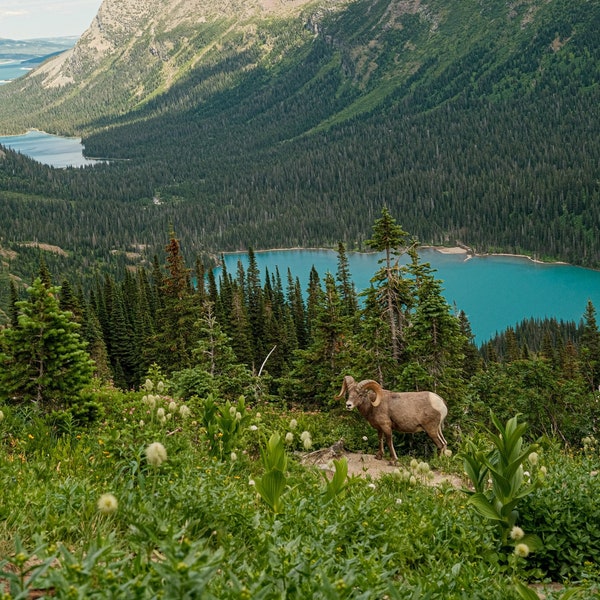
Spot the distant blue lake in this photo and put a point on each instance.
(52, 150)
(11, 69)
(495, 292)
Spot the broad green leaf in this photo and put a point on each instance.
(484, 507)
(525, 592)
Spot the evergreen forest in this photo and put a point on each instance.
(474, 125)
(160, 415)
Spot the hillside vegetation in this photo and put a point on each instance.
(177, 462)
(292, 124)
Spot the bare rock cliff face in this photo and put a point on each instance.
(119, 24)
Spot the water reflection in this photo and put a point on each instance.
(52, 150)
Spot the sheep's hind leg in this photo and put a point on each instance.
(390, 443)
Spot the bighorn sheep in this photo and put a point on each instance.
(406, 412)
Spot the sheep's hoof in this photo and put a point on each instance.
(393, 462)
(378, 456)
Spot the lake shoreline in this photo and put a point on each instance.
(467, 251)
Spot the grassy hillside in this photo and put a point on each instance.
(473, 124)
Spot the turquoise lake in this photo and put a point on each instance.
(494, 291)
(52, 150)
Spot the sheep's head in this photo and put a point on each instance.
(349, 387)
(369, 385)
(357, 393)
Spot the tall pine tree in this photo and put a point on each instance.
(43, 360)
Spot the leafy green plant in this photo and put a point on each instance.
(223, 424)
(499, 480)
(336, 486)
(271, 485)
(565, 513)
(22, 570)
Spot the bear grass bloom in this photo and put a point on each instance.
(107, 504)
(156, 454)
(522, 550)
(516, 533)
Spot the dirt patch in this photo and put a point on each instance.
(366, 465)
(45, 248)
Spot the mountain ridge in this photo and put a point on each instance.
(473, 123)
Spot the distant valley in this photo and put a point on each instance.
(290, 124)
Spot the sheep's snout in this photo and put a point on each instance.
(349, 405)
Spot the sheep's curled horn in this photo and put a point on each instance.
(371, 384)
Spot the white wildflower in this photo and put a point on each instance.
(107, 504)
(522, 550)
(156, 454)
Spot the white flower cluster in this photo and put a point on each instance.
(306, 440)
(418, 471)
(164, 413)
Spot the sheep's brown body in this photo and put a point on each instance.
(405, 412)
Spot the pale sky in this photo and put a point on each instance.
(28, 19)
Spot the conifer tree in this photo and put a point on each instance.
(69, 300)
(43, 359)
(256, 309)
(393, 295)
(216, 368)
(331, 351)
(590, 347)
(12, 310)
(297, 309)
(434, 339)
(177, 312)
(346, 285)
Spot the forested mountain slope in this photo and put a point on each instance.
(291, 123)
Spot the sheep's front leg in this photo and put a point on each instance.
(379, 454)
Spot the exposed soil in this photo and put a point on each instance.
(366, 465)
